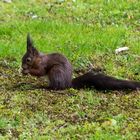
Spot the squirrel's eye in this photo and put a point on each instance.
(28, 59)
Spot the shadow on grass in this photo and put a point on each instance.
(30, 86)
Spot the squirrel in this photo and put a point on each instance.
(59, 71)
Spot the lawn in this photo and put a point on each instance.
(87, 33)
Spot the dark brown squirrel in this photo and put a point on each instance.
(59, 71)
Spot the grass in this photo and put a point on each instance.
(87, 32)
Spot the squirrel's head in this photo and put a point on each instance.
(30, 56)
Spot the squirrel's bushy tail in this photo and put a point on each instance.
(103, 82)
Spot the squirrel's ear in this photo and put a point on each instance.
(29, 42)
(30, 46)
(34, 51)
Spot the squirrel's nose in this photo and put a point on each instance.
(24, 67)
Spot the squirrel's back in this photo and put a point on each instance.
(59, 71)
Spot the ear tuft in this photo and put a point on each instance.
(29, 42)
(30, 46)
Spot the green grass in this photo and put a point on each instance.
(87, 32)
